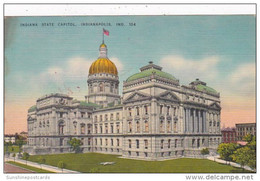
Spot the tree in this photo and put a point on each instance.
(242, 156)
(249, 138)
(204, 151)
(225, 151)
(61, 165)
(14, 155)
(75, 144)
(26, 156)
(20, 144)
(41, 161)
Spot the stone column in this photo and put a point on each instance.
(189, 122)
(200, 122)
(194, 128)
(185, 121)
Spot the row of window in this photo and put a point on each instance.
(106, 117)
(137, 143)
(162, 154)
(106, 128)
(112, 143)
(101, 87)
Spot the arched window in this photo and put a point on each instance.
(75, 127)
(101, 87)
(175, 126)
(146, 110)
(129, 126)
(168, 126)
(82, 128)
(61, 127)
(137, 143)
(161, 126)
(137, 111)
(138, 127)
(130, 111)
(146, 126)
(129, 143)
(162, 144)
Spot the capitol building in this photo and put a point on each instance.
(155, 118)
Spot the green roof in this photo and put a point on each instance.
(32, 109)
(201, 87)
(149, 72)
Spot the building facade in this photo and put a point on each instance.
(228, 135)
(155, 118)
(244, 129)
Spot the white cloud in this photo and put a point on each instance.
(189, 69)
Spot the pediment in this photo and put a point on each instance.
(215, 106)
(137, 96)
(169, 96)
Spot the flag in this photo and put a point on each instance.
(106, 32)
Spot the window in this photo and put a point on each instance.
(82, 140)
(117, 116)
(40, 124)
(106, 117)
(112, 142)
(101, 141)
(169, 143)
(145, 154)
(146, 126)
(82, 128)
(101, 87)
(117, 128)
(176, 143)
(161, 126)
(175, 126)
(111, 88)
(162, 154)
(75, 127)
(75, 114)
(193, 142)
(138, 127)
(168, 126)
(198, 143)
(130, 127)
(96, 128)
(161, 109)
(61, 127)
(101, 128)
(89, 128)
(95, 119)
(117, 142)
(106, 142)
(210, 123)
(101, 118)
(112, 128)
(61, 114)
(137, 143)
(96, 141)
(129, 143)
(48, 123)
(130, 111)
(111, 117)
(162, 144)
(168, 110)
(146, 110)
(82, 114)
(43, 124)
(137, 111)
(174, 111)
(145, 144)
(89, 141)
(106, 128)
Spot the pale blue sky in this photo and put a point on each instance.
(214, 48)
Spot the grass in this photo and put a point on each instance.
(37, 170)
(12, 149)
(90, 162)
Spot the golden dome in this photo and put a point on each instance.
(103, 65)
(103, 45)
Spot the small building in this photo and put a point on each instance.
(9, 138)
(228, 135)
(244, 129)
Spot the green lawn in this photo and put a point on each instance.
(37, 170)
(12, 149)
(90, 162)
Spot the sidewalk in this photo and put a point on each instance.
(216, 159)
(45, 167)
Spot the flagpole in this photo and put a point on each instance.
(103, 36)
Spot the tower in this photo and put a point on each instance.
(103, 80)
